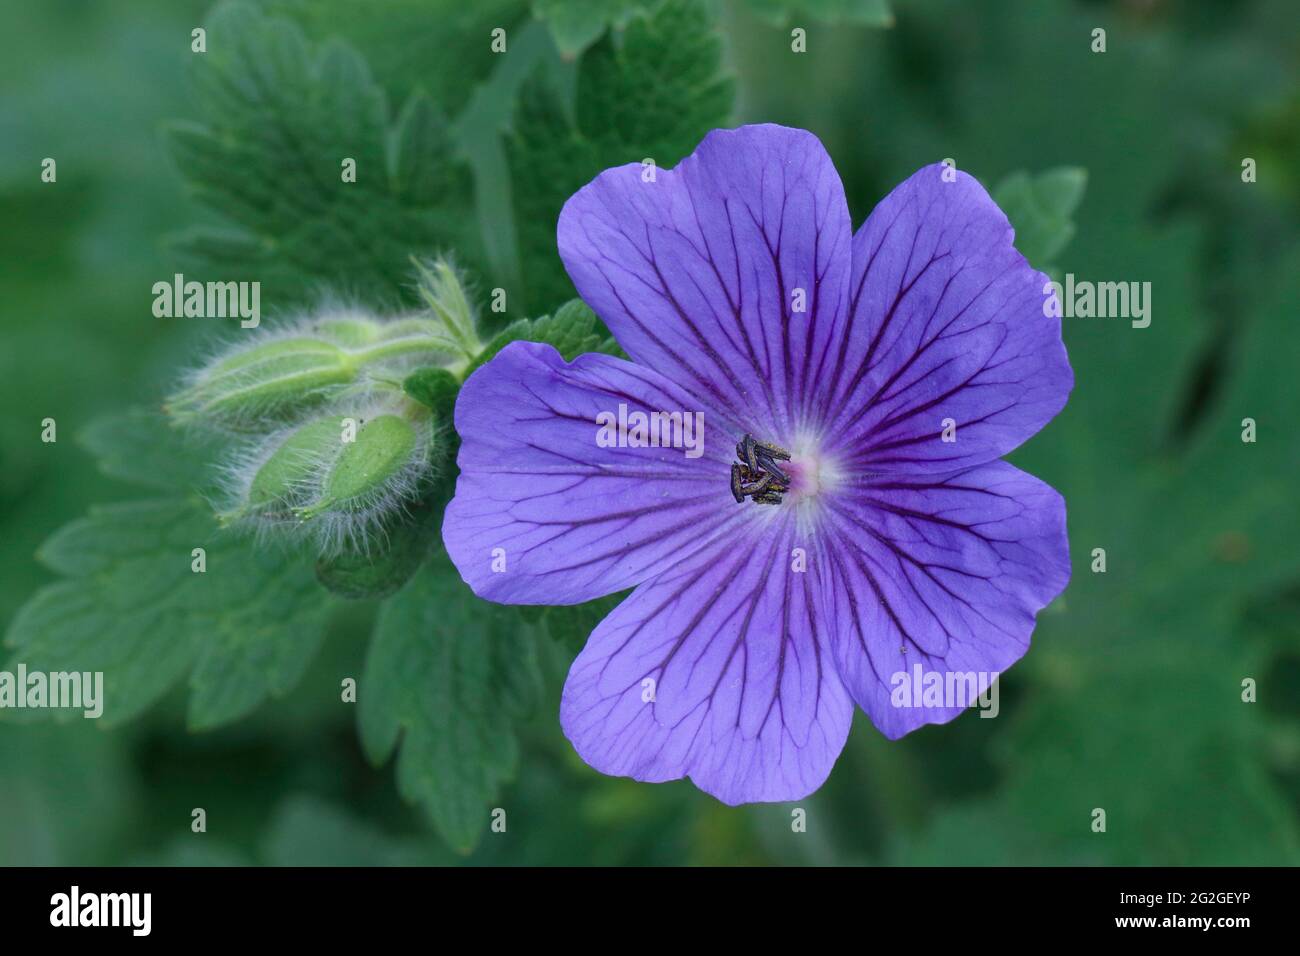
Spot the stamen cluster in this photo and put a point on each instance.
(757, 475)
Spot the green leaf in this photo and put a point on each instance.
(576, 24)
(1100, 735)
(440, 46)
(653, 92)
(571, 624)
(141, 447)
(435, 388)
(221, 248)
(870, 13)
(450, 675)
(132, 607)
(1233, 543)
(1041, 208)
(572, 330)
(282, 116)
(386, 566)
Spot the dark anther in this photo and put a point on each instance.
(747, 452)
(757, 475)
(771, 466)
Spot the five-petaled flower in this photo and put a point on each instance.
(894, 366)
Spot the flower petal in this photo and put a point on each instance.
(542, 513)
(718, 671)
(728, 273)
(947, 322)
(947, 572)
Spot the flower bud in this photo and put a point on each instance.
(286, 479)
(349, 329)
(364, 466)
(271, 379)
(281, 377)
(342, 478)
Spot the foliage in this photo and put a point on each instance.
(224, 685)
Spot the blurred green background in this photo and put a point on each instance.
(1130, 698)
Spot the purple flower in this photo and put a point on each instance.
(893, 366)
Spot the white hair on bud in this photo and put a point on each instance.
(395, 330)
(364, 524)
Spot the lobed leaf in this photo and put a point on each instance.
(653, 92)
(449, 676)
(131, 607)
(282, 114)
